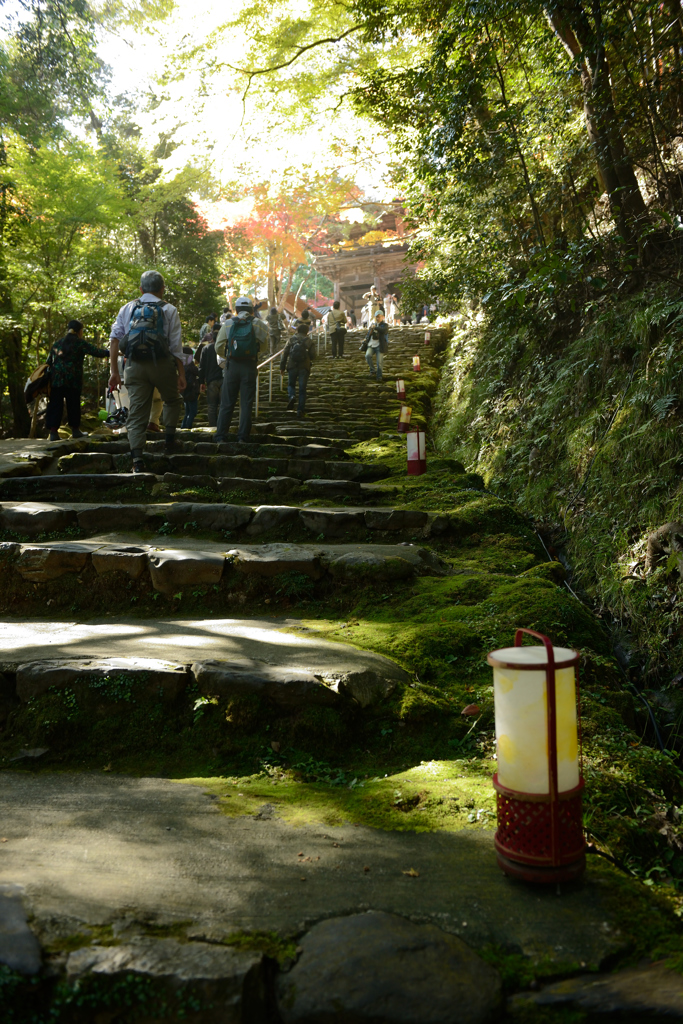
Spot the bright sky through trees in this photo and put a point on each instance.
(198, 106)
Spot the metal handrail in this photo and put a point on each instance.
(267, 362)
(269, 359)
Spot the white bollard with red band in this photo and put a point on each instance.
(417, 454)
(404, 419)
(401, 390)
(428, 337)
(416, 362)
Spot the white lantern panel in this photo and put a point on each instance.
(413, 444)
(522, 724)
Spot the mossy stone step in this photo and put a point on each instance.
(232, 656)
(187, 564)
(35, 518)
(18, 487)
(313, 681)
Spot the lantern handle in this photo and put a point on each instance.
(552, 737)
(547, 643)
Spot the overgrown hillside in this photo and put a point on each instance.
(580, 428)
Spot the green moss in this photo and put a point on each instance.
(96, 935)
(434, 795)
(269, 943)
(554, 572)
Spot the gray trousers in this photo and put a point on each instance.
(141, 379)
(213, 400)
(239, 381)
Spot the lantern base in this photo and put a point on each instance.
(403, 428)
(416, 467)
(546, 876)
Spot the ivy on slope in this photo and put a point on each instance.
(584, 434)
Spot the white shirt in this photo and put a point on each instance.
(172, 326)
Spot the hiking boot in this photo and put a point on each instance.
(54, 436)
(301, 415)
(154, 427)
(290, 404)
(139, 466)
(77, 434)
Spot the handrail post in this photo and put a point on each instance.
(257, 390)
(270, 388)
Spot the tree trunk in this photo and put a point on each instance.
(584, 45)
(271, 279)
(15, 383)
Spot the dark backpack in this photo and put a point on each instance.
(146, 339)
(298, 354)
(242, 342)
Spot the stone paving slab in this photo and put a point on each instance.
(180, 640)
(91, 846)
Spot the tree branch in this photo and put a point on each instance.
(302, 49)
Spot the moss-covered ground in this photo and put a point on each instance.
(529, 419)
(440, 628)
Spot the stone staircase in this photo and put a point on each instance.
(296, 630)
(77, 508)
(301, 510)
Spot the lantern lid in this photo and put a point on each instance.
(532, 657)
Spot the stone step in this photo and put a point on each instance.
(72, 483)
(33, 518)
(264, 446)
(234, 658)
(304, 468)
(131, 487)
(183, 563)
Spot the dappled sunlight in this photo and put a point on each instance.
(165, 850)
(221, 639)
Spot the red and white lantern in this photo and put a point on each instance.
(417, 455)
(428, 337)
(404, 419)
(538, 783)
(401, 390)
(416, 362)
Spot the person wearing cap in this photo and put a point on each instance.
(166, 372)
(239, 377)
(65, 363)
(377, 344)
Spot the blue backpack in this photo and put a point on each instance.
(242, 342)
(146, 339)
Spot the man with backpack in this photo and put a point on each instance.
(148, 332)
(238, 343)
(298, 354)
(336, 325)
